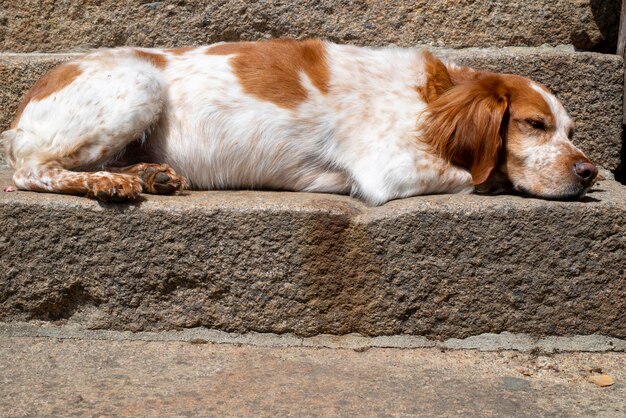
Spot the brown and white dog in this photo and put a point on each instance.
(310, 115)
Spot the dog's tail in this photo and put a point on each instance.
(7, 137)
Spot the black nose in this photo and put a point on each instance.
(585, 171)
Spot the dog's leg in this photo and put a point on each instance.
(63, 138)
(156, 178)
(102, 185)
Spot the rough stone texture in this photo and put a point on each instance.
(437, 266)
(606, 13)
(589, 84)
(49, 25)
(49, 377)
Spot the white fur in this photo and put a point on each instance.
(544, 154)
(109, 104)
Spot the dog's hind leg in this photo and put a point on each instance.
(52, 177)
(79, 118)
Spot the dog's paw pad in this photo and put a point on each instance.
(161, 179)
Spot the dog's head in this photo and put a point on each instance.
(507, 131)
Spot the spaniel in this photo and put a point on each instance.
(308, 116)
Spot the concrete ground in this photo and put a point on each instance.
(121, 376)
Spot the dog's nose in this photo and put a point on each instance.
(585, 171)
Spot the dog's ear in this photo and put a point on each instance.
(464, 125)
(438, 79)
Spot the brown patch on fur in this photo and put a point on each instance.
(271, 70)
(463, 125)
(460, 75)
(156, 59)
(229, 48)
(526, 102)
(437, 78)
(179, 51)
(50, 83)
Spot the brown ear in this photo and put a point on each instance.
(463, 125)
(437, 78)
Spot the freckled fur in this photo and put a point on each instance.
(541, 162)
(313, 116)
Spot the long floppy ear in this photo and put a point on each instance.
(463, 125)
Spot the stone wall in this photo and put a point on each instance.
(52, 25)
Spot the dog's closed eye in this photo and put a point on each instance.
(536, 124)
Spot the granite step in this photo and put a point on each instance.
(443, 266)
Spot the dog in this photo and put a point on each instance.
(310, 116)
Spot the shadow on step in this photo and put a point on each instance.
(122, 206)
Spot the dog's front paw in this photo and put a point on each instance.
(161, 179)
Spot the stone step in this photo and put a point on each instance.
(435, 266)
(33, 25)
(589, 84)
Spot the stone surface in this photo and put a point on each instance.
(49, 377)
(436, 266)
(483, 342)
(590, 85)
(49, 25)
